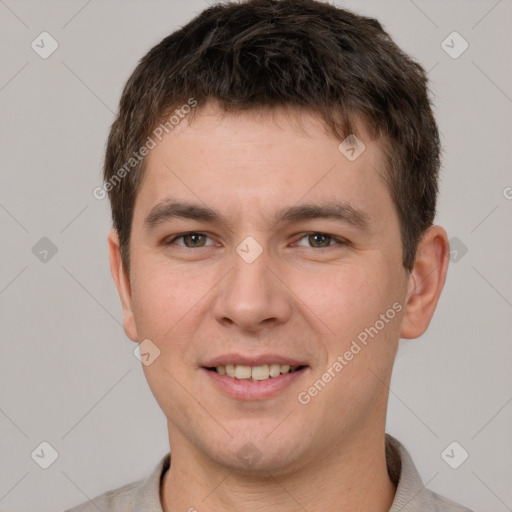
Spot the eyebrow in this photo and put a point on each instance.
(343, 212)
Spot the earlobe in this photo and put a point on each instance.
(426, 282)
(122, 282)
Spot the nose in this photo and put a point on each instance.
(252, 296)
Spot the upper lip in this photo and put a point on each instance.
(259, 360)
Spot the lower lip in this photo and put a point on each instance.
(254, 389)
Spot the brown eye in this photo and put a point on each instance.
(194, 240)
(190, 240)
(317, 240)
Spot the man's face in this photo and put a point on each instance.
(268, 282)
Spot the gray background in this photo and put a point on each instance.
(68, 375)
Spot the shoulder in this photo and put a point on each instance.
(437, 503)
(111, 501)
(411, 494)
(140, 496)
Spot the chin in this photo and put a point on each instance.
(261, 455)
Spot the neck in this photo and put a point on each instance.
(351, 477)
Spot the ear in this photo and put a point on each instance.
(123, 286)
(426, 282)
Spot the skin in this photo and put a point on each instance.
(303, 297)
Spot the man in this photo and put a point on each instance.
(272, 174)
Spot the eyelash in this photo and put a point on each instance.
(340, 241)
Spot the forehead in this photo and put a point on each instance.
(258, 161)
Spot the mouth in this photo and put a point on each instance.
(254, 378)
(255, 373)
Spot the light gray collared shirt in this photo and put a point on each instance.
(411, 495)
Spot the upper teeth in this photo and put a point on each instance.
(263, 372)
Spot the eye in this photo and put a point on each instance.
(320, 240)
(190, 240)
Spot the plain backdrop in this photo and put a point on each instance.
(68, 376)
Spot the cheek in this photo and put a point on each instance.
(162, 304)
(344, 299)
(154, 300)
(358, 305)
(169, 306)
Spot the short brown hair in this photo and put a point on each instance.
(275, 53)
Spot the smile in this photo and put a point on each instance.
(254, 373)
(256, 381)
